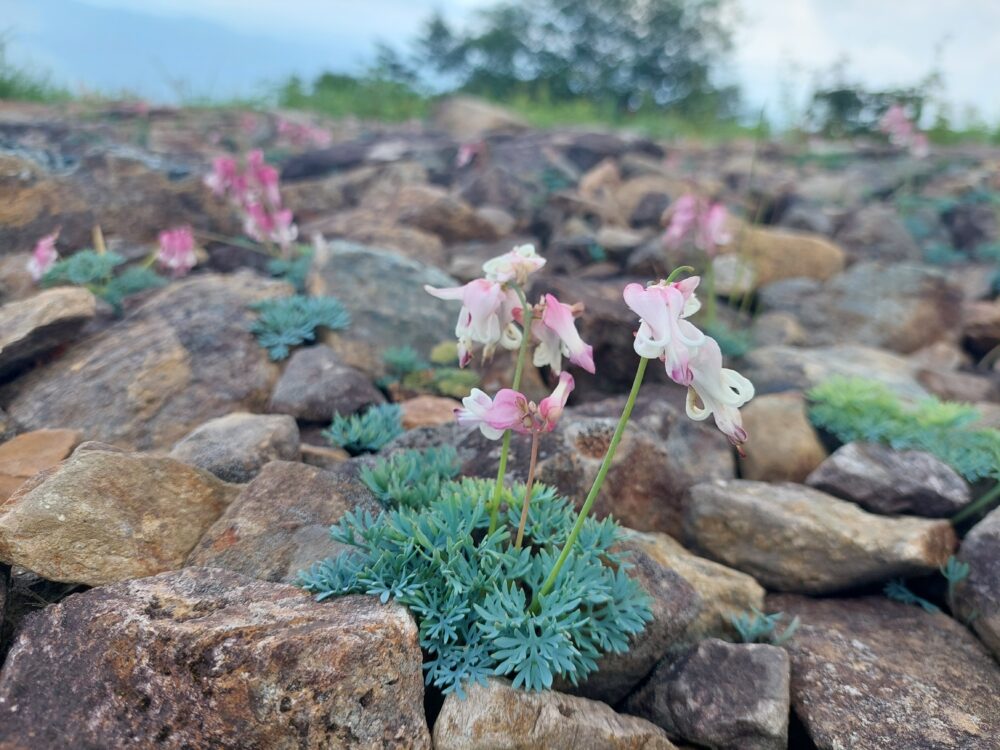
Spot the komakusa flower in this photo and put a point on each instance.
(557, 337)
(44, 256)
(515, 265)
(664, 333)
(683, 220)
(177, 250)
(704, 222)
(721, 392)
(511, 410)
(486, 318)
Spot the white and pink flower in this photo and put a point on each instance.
(515, 265)
(903, 131)
(486, 318)
(557, 337)
(511, 410)
(703, 222)
(44, 256)
(721, 392)
(177, 250)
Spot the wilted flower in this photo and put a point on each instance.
(511, 410)
(44, 256)
(721, 392)
(557, 337)
(177, 250)
(514, 266)
(486, 317)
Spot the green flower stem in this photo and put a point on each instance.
(710, 293)
(522, 356)
(596, 488)
(527, 491)
(980, 503)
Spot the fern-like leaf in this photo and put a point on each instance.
(289, 321)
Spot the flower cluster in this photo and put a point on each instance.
(176, 252)
(511, 410)
(44, 256)
(301, 135)
(903, 132)
(254, 190)
(690, 357)
(697, 219)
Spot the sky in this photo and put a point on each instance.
(165, 49)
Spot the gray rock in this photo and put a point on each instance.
(721, 695)
(872, 673)
(876, 232)
(794, 538)
(887, 481)
(978, 597)
(316, 385)
(235, 447)
(37, 324)
(208, 658)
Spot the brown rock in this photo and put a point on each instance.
(104, 515)
(783, 447)
(323, 457)
(498, 716)
(872, 673)
(24, 456)
(978, 597)
(775, 254)
(207, 658)
(981, 327)
(876, 232)
(372, 226)
(183, 356)
(428, 411)
(42, 322)
(433, 210)
(280, 523)
(466, 117)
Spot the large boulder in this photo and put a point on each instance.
(761, 255)
(794, 538)
(42, 322)
(183, 356)
(978, 597)
(104, 515)
(208, 658)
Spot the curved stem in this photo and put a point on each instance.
(602, 473)
(527, 491)
(977, 505)
(522, 355)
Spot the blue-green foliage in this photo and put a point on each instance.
(858, 409)
(756, 627)
(285, 322)
(732, 341)
(470, 591)
(131, 281)
(294, 270)
(411, 479)
(367, 432)
(400, 361)
(954, 571)
(897, 590)
(96, 272)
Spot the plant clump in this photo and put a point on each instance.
(289, 321)
(367, 432)
(411, 479)
(97, 272)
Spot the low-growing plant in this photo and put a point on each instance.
(367, 432)
(756, 627)
(954, 571)
(97, 272)
(295, 269)
(285, 322)
(400, 361)
(898, 591)
(411, 479)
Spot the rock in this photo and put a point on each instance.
(104, 515)
(643, 199)
(783, 446)
(777, 329)
(722, 592)
(209, 658)
(389, 307)
(872, 673)
(338, 157)
(876, 232)
(587, 150)
(428, 411)
(369, 226)
(468, 118)
(617, 242)
(950, 385)
(890, 482)
(280, 523)
(794, 538)
(37, 324)
(184, 355)
(501, 221)
(899, 307)
(721, 695)
(978, 597)
(323, 457)
(981, 326)
(498, 716)
(24, 456)
(972, 224)
(235, 447)
(775, 254)
(316, 385)
(773, 369)
(433, 210)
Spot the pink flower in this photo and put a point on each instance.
(704, 222)
(264, 178)
(683, 219)
(223, 177)
(551, 407)
(511, 410)
(44, 256)
(663, 333)
(514, 266)
(721, 392)
(557, 337)
(303, 135)
(903, 132)
(467, 152)
(486, 317)
(712, 228)
(177, 250)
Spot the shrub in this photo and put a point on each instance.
(368, 432)
(289, 321)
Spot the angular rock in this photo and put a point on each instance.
(280, 523)
(209, 658)
(783, 445)
(104, 515)
(236, 446)
(316, 385)
(389, 307)
(775, 254)
(42, 322)
(428, 411)
(981, 326)
(720, 695)
(31, 452)
(498, 716)
(978, 597)
(873, 673)
(184, 355)
(890, 482)
(794, 538)
(876, 232)
(433, 210)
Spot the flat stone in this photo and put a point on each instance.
(205, 658)
(978, 597)
(783, 446)
(873, 673)
(794, 538)
(25, 455)
(774, 254)
(235, 447)
(498, 716)
(280, 522)
(428, 411)
(42, 322)
(104, 515)
(316, 385)
(887, 481)
(721, 695)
